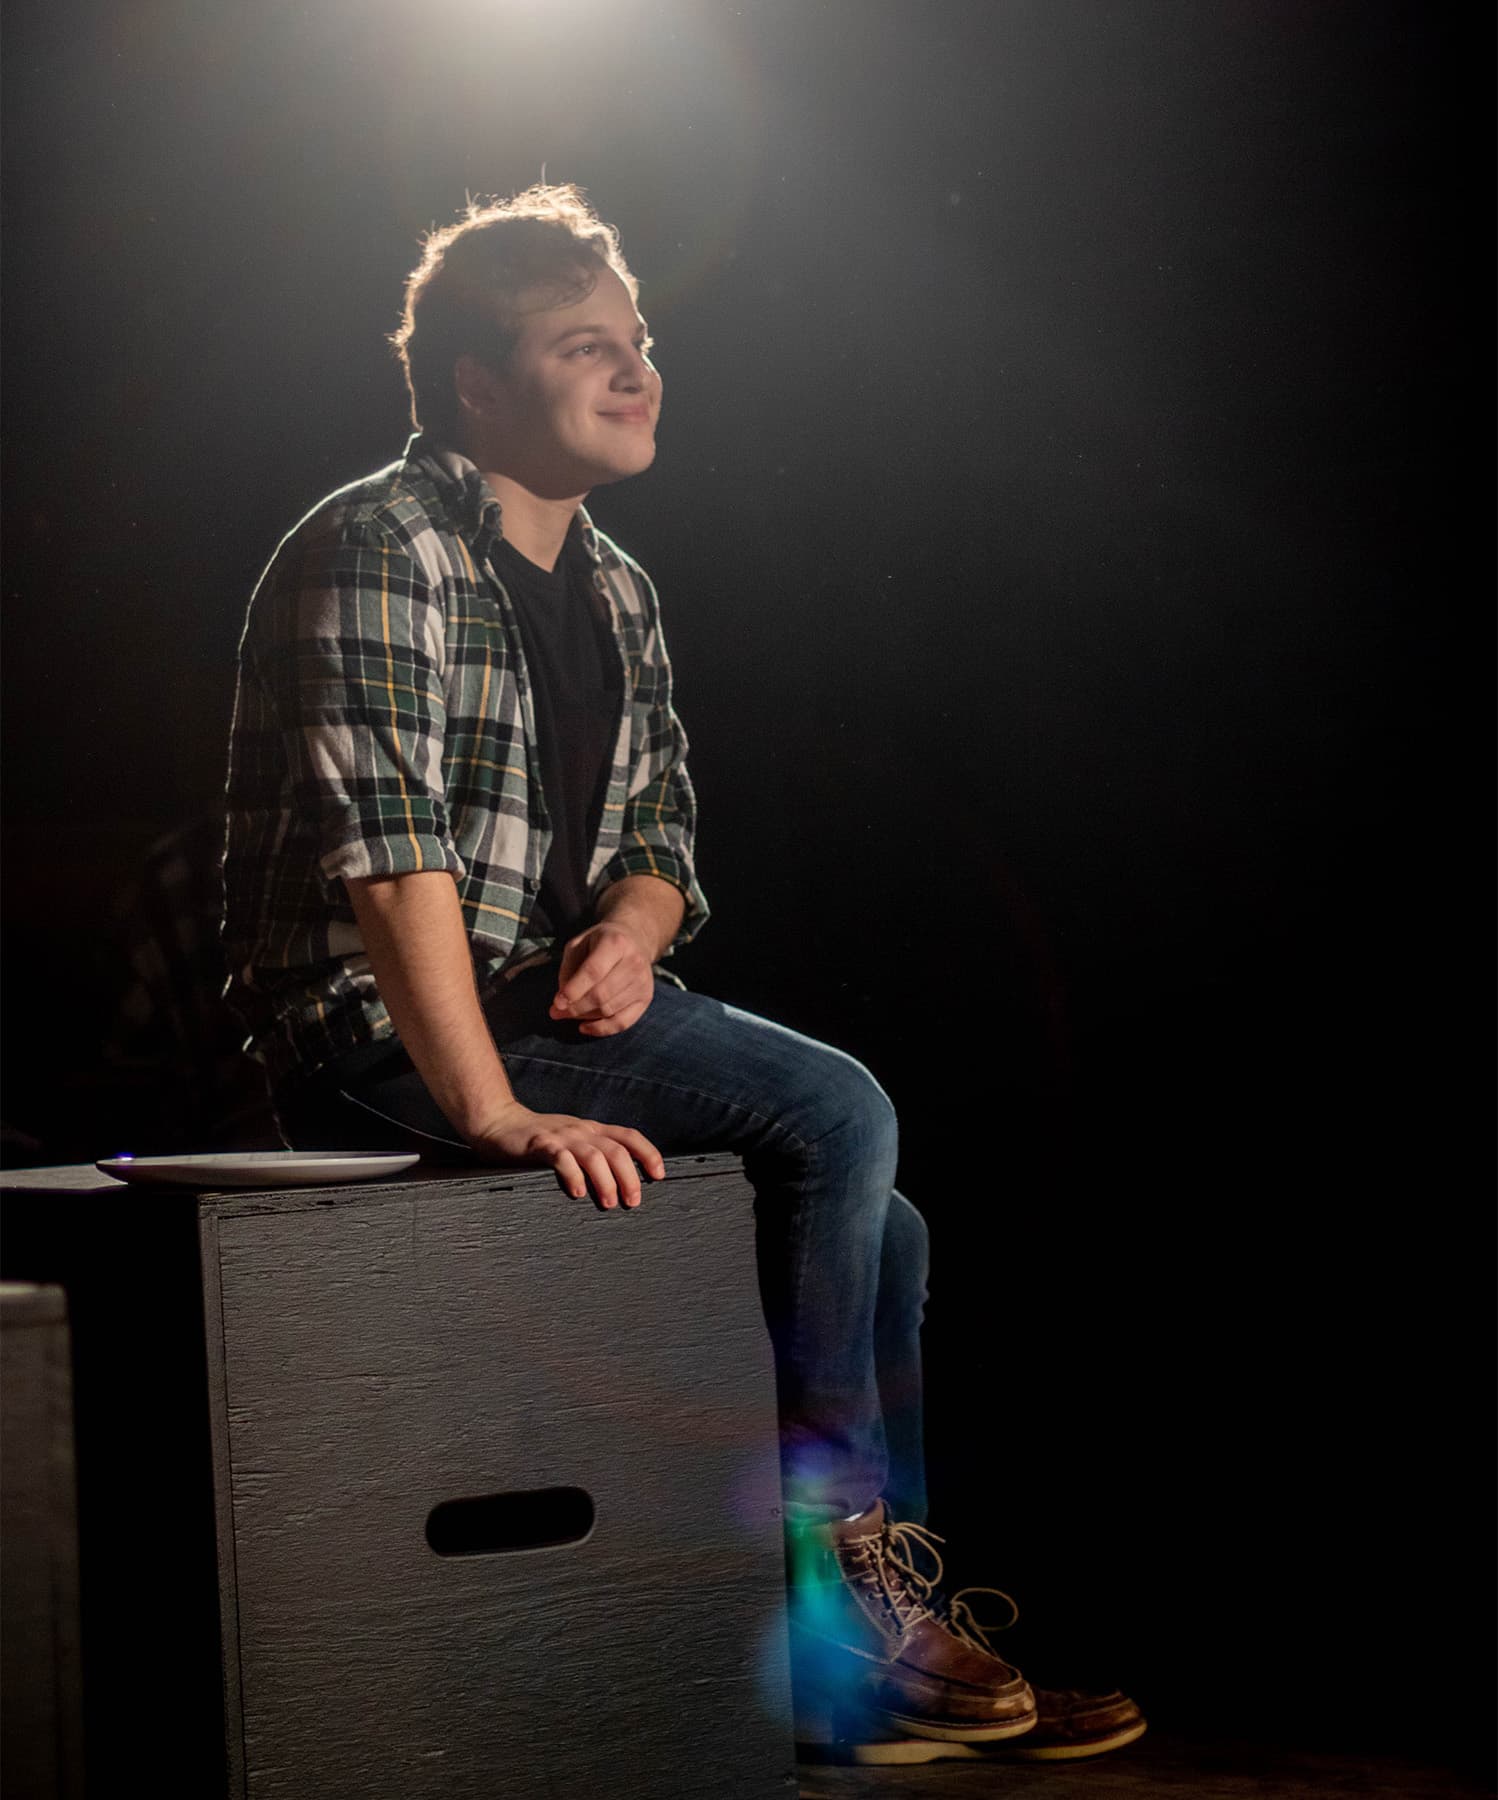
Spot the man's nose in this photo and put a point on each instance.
(633, 371)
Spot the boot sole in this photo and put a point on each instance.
(1115, 1740)
(876, 1753)
(956, 1733)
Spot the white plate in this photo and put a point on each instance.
(260, 1168)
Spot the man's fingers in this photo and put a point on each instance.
(609, 1162)
(608, 1002)
(574, 984)
(601, 1173)
(614, 991)
(579, 985)
(640, 1148)
(566, 1166)
(626, 1175)
(612, 1024)
(612, 999)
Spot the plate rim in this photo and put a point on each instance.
(228, 1169)
(261, 1158)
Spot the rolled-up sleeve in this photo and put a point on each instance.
(350, 647)
(659, 839)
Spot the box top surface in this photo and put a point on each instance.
(85, 1181)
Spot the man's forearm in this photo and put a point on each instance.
(646, 905)
(414, 935)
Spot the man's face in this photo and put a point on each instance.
(577, 403)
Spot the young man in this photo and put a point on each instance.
(460, 846)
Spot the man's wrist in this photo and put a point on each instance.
(490, 1122)
(640, 932)
(648, 908)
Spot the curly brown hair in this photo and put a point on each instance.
(463, 296)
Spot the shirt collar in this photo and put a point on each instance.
(473, 504)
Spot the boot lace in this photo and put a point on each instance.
(906, 1543)
(891, 1561)
(959, 1618)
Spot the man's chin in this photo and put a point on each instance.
(620, 468)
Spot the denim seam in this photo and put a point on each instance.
(387, 1119)
(747, 1112)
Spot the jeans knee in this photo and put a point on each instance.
(907, 1241)
(852, 1106)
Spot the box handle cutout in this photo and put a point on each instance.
(493, 1524)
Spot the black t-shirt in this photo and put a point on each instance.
(576, 689)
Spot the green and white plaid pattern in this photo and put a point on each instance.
(384, 724)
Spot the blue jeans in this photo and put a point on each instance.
(842, 1256)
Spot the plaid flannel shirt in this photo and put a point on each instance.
(384, 725)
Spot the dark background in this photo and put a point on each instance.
(1068, 491)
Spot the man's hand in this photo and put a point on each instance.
(582, 1151)
(607, 980)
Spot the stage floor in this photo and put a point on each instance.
(1159, 1765)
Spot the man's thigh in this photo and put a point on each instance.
(693, 1074)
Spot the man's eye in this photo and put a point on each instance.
(583, 349)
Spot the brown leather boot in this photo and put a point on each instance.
(866, 1628)
(1070, 1722)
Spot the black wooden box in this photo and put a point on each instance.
(496, 1488)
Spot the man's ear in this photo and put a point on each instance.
(478, 388)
